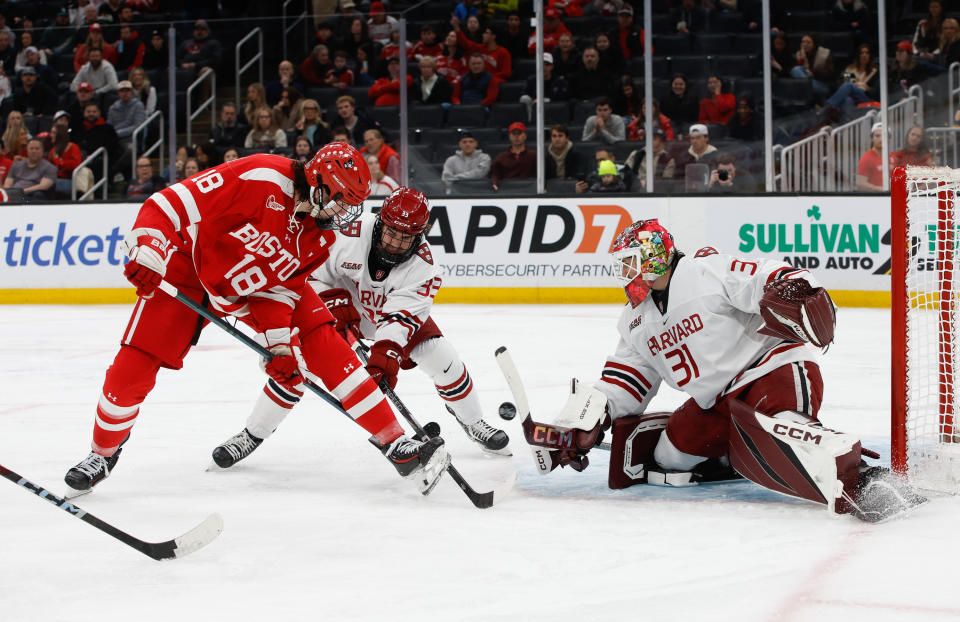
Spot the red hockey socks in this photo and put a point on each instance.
(128, 381)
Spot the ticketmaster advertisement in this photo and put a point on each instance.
(502, 249)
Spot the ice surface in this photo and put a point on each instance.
(319, 527)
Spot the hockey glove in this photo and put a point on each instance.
(147, 265)
(793, 310)
(340, 306)
(384, 363)
(287, 360)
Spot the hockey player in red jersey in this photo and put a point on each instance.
(379, 283)
(243, 237)
(742, 338)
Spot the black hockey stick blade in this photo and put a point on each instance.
(194, 540)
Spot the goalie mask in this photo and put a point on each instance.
(340, 170)
(400, 226)
(642, 253)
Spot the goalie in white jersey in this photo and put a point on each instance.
(742, 338)
(379, 283)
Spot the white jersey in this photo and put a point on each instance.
(705, 343)
(392, 307)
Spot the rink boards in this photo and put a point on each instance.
(500, 250)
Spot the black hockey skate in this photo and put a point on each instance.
(423, 461)
(235, 449)
(882, 495)
(92, 470)
(492, 440)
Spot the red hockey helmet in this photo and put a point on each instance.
(643, 249)
(400, 225)
(342, 170)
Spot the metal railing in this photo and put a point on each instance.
(135, 142)
(288, 29)
(944, 143)
(847, 144)
(953, 88)
(104, 178)
(257, 58)
(903, 115)
(210, 102)
(803, 164)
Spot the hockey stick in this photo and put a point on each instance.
(195, 539)
(481, 500)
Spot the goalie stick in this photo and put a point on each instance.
(481, 500)
(195, 539)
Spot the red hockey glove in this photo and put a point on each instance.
(793, 310)
(340, 306)
(384, 363)
(287, 360)
(147, 265)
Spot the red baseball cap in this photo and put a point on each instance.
(905, 45)
(551, 12)
(94, 26)
(85, 86)
(376, 8)
(516, 125)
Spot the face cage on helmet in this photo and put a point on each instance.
(387, 257)
(339, 212)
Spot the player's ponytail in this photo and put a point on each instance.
(300, 186)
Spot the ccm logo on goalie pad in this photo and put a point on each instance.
(549, 435)
(796, 433)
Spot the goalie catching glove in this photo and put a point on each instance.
(384, 363)
(287, 359)
(147, 265)
(794, 310)
(340, 306)
(585, 414)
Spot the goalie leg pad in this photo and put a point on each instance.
(631, 451)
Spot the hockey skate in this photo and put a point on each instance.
(422, 461)
(235, 449)
(90, 471)
(491, 439)
(881, 495)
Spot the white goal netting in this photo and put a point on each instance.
(931, 336)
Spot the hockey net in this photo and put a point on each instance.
(925, 284)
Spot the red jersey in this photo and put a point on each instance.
(910, 158)
(421, 49)
(496, 61)
(250, 252)
(870, 167)
(549, 39)
(451, 68)
(719, 110)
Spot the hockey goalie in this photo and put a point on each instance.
(743, 339)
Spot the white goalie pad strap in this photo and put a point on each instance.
(585, 408)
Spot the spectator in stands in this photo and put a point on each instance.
(389, 159)
(478, 86)
(949, 43)
(555, 88)
(287, 111)
(926, 37)
(517, 162)
(700, 151)
(94, 41)
(386, 91)
(664, 167)
(905, 71)
(342, 20)
(8, 55)
(604, 126)
(6, 88)
(302, 149)
(688, 17)
(314, 68)
(626, 102)
(142, 89)
(45, 74)
(96, 132)
(725, 178)
(495, 57)
(566, 58)
(356, 37)
(610, 56)
(20, 61)
(311, 125)
(717, 106)
(552, 29)
(428, 44)
(156, 56)
(130, 49)
(562, 161)
(15, 136)
(184, 153)
(33, 176)
(4, 27)
(745, 125)
(231, 154)
(98, 73)
(627, 36)
(608, 179)
(395, 49)
(340, 75)
(109, 11)
(466, 8)
(472, 29)
(381, 184)
(190, 168)
(201, 53)
(78, 103)
(5, 164)
(429, 87)
(33, 98)
(781, 61)
(265, 133)
(285, 79)
(515, 37)
(256, 99)
(58, 37)
(228, 131)
(816, 63)
(206, 156)
(466, 163)
(65, 155)
(635, 130)
(591, 80)
(353, 119)
(126, 113)
(451, 65)
(914, 152)
(852, 15)
(380, 25)
(600, 155)
(861, 82)
(870, 167)
(146, 181)
(339, 134)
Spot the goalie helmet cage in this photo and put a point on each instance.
(925, 285)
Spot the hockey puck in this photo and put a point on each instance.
(432, 428)
(508, 411)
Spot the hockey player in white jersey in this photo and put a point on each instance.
(379, 283)
(742, 338)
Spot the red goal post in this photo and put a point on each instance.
(925, 352)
